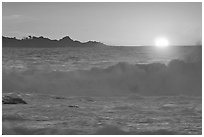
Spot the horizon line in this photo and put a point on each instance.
(145, 45)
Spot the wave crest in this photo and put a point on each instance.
(176, 78)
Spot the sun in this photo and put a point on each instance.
(161, 42)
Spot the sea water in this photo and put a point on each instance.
(103, 70)
(83, 58)
(116, 90)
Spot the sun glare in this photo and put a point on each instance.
(161, 42)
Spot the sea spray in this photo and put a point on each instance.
(176, 78)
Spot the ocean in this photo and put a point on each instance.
(84, 58)
(102, 91)
(103, 70)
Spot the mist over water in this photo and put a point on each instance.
(110, 71)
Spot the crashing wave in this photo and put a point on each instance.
(176, 78)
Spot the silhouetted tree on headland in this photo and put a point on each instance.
(32, 41)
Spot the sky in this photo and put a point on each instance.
(122, 24)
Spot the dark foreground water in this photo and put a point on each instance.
(130, 115)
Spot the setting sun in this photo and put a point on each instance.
(161, 42)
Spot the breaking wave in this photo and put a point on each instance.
(176, 78)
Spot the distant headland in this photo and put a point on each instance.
(32, 41)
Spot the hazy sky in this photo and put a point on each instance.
(112, 23)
